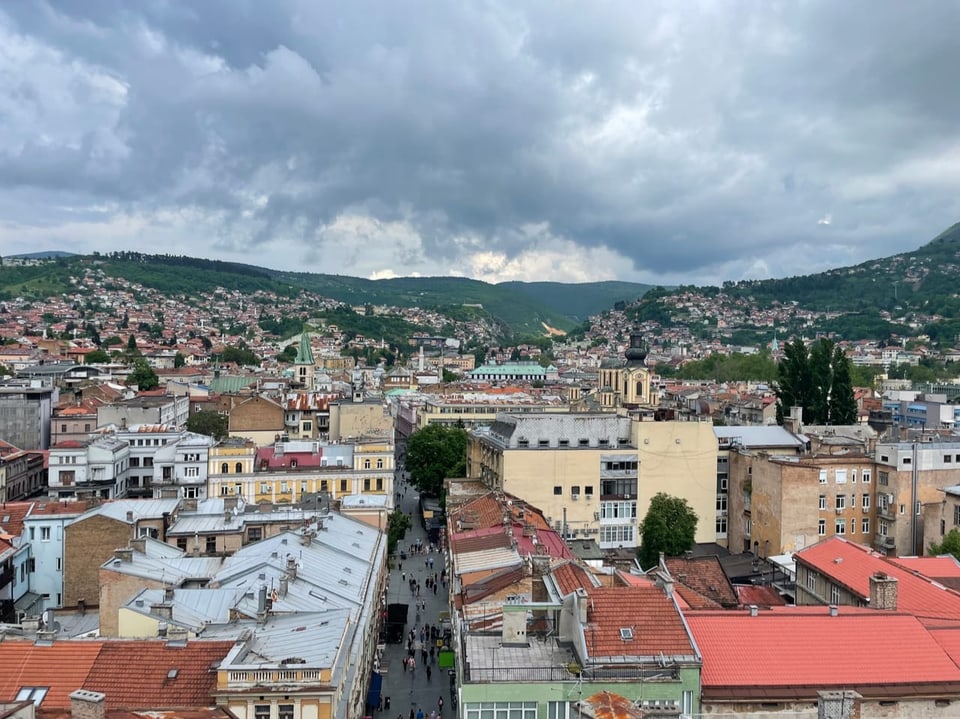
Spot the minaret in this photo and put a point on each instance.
(304, 364)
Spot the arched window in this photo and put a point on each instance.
(366, 464)
(379, 464)
(224, 468)
(640, 389)
(238, 468)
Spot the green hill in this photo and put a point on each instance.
(580, 300)
(518, 308)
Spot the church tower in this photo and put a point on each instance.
(304, 364)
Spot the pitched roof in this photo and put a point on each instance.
(570, 577)
(652, 617)
(607, 705)
(706, 577)
(760, 596)
(61, 666)
(794, 652)
(166, 676)
(851, 565)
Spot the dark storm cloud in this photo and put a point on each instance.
(699, 141)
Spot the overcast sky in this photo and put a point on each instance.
(667, 142)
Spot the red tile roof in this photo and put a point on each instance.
(760, 596)
(932, 567)
(607, 705)
(705, 576)
(151, 684)
(851, 565)
(134, 674)
(62, 666)
(794, 653)
(570, 577)
(12, 515)
(479, 540)
(653, 618)
(267, 458)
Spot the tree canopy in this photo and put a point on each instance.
(817, 379)
(435, 453)
(97, 357)
(208, 422)
(669, 527)
(397, 525)
(143, 376)
(949, 545)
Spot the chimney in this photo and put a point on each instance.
(30, 624)
(130, 515)
(123, 555)
(139, 545)
(168, 594)
(190, 505)
(883, 592)
(754, 610)
(164, 610)
(230, 502)
(666, 582)
(292, 567)
(177, 634)
(262, 604)
(85, 704)
(284, 583)
(582, 604)
(834, 610)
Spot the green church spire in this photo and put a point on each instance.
(305, 352)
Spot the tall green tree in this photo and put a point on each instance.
(435, 453)
(817, 379)
(208, 422)
(670, 526)
(143, 376)
(179, 360)
(397, 525)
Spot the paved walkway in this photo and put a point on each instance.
(413, 690)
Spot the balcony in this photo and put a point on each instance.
(887, 512)
(885, 541)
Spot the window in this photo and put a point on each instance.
(866, 501)
(840, 526)
(821, 527)
(823, 501)
(323, 486)
(264, 488)
(224, 490)
(840, 476)
(866, 476)
(721, 503)
(575, 490)
(238, 467)
(34, 694)
(379, 484)
(588, 490)
(33, 533)
(907, 460)
(366, 484)
(63, 428)
(224, 468)
(543, 442)
(812, 580)
(617, 534)
(865, 525)
(182, 543)
(883, 528)
(884, 458)
(191, 492)
(343, 485)
(559, 710)
(255, 534)
(721, 526)
(285, 711)
(883, 478)
(261, 711)
(834, 594)
(366, 464)
(191, 471)
(853, 526)
(211, 545)
(498, 710)
(841, 502)
(44, 534)
(853, 476)
(947, 459)
(823, 476)
(380, 464)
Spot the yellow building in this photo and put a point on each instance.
(625, 382)
(233, 455)
(593, 474)
(286, 471)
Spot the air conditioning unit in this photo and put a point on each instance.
(840, 510)
(574, 497)
(628, 496)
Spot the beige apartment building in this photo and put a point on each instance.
(781, 503)
(593, 474)
(912, 476)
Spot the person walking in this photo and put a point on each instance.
(413, 667)
(419, 713)
(429, 671)
(440, 704)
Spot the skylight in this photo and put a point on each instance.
(34, 694)
(626, 633)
